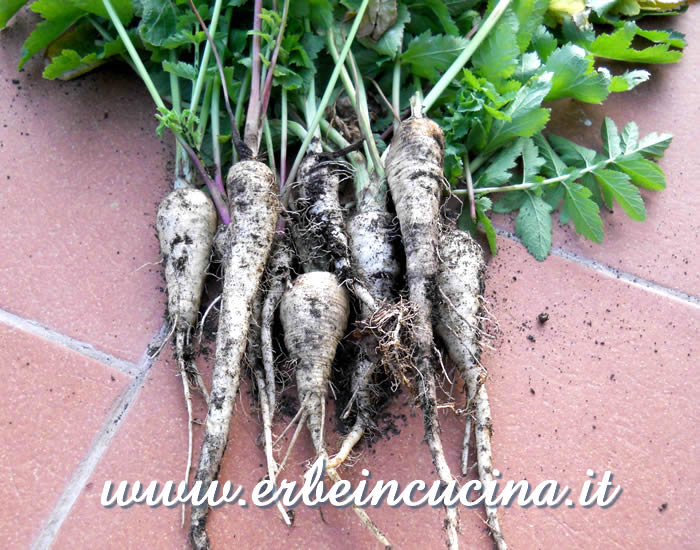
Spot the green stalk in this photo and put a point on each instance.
(240, 105)
(396, 92)
(283, 140)
(549, 181)
(109, 38)
(344, 75)
(269, 146)
(334, 135)
(363, 117)
(477, 162)
(180, 157)
(297, 129)
(204, 114)
(361, 177)
(215, 121)
(466, 54)
(329, 88)
(199, 83)
(418, 87)
(238, 114)
(140, 69)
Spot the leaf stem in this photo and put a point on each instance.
(199, 83)
(466, 54)
(344, 75)
(140, 69)
(267, 88)
(252, 119)
(576, 174)
(363, 118)
(283, 140)
(180, 157)
(329, 88)
(396, 91)
(269, 146)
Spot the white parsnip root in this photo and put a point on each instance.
(415, 177)
(461, 286)
(371, 233)
(314, 315)
(254, 208)
(186, 222)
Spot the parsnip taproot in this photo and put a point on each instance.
(254, 206)
(186, 222)
(414, 170)
(461, 284)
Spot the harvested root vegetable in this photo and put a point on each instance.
(371, 234)
(319, 216)
(314, 315)
(461, 287)
(318, 227)
(415, 177)
(276, 276)
(186, 222)
(254, 205)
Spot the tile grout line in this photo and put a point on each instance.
(88, 350)
(634, 280)
(98, 447)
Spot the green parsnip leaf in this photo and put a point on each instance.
(630, 137)
(69, 60)
(158, 21)
(612, 145)
(483, 204)
(654, 144)
(532, 162)
(618, 45)
(643, 172)
(441, 11)
(59, 18)
(391, 40)
(527, 117)
(534, 225)
(512, 200)
(530, 14)
(575, 76)
(553, 165)
(428, 55)
(181, 69)
(627, 195)
(583, 211)
(498, 172)
(543, 42)
(8, 8)
(572, 153)
(497, 56)
(628, 80)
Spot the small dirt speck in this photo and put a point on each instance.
(663, 507)
(543, 318)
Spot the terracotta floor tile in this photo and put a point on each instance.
(609, 382)
(152, 444)
(662, 249)
(81, 172)
(53, 404)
